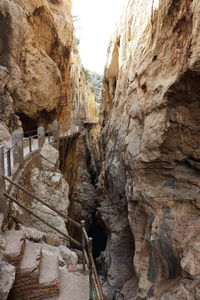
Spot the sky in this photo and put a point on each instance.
(97, 19)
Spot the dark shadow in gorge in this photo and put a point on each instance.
(29, 125)
(91, 168)
(98, 232)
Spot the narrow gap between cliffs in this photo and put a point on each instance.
(98, 233)
(95, 227)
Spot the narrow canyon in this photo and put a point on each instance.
(129, 165)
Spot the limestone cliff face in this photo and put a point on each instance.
(36, 41)
(81, 167)
(37, 64)
(84, 106)
(151, 152)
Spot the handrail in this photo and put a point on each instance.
(9, 148)
(87, 255)
(25, 132)
(42, 201)
(43, 221)
(86, 246)
(86, 243)
(96, 278)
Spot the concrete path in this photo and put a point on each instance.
(72, 285)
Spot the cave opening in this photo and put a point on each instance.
(97, 232)
(29, 124)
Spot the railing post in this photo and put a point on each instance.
(41, 136)
(3, 202)
(49, 136)
(9, 161)
(30, 143)
(18, 151)
(56, 134)
(83, 243)
(90, 250)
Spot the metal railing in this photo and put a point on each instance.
(15, 155)
(95, 290)
(8, 158)
(22, 146)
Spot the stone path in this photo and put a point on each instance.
(38, 274)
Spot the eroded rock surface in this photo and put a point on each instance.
(7, 278)
(41, 76)
(81, 167)
(46, 181)
(150, 149)
(35, 53)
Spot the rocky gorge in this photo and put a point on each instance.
(133, 176)
(150, 151)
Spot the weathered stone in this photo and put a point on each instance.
(68, 256)
(7, 278)
(55, 251)
(4, 78)
(15, 242)
(50, 185)
(41, 75)
(5, 137)
(49, 157)
(32, 233)
(150, 149)
(190, 262)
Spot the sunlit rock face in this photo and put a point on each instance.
(150, 151)
(84, 106)
(37, 64)
(35, 50)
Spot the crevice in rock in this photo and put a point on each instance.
(78, 166)
(91, 168)
(68, 159)
(97, 231)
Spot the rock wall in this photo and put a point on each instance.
(150, 152)
(84, 107)
(35, 56)
(41, 176)
(81, 168)
(38, 66)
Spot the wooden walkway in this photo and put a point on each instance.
(23, 146)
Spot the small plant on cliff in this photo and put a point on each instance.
(87, 74)
(96, 81)
(77, 41)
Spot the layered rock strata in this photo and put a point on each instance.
(150, 151)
